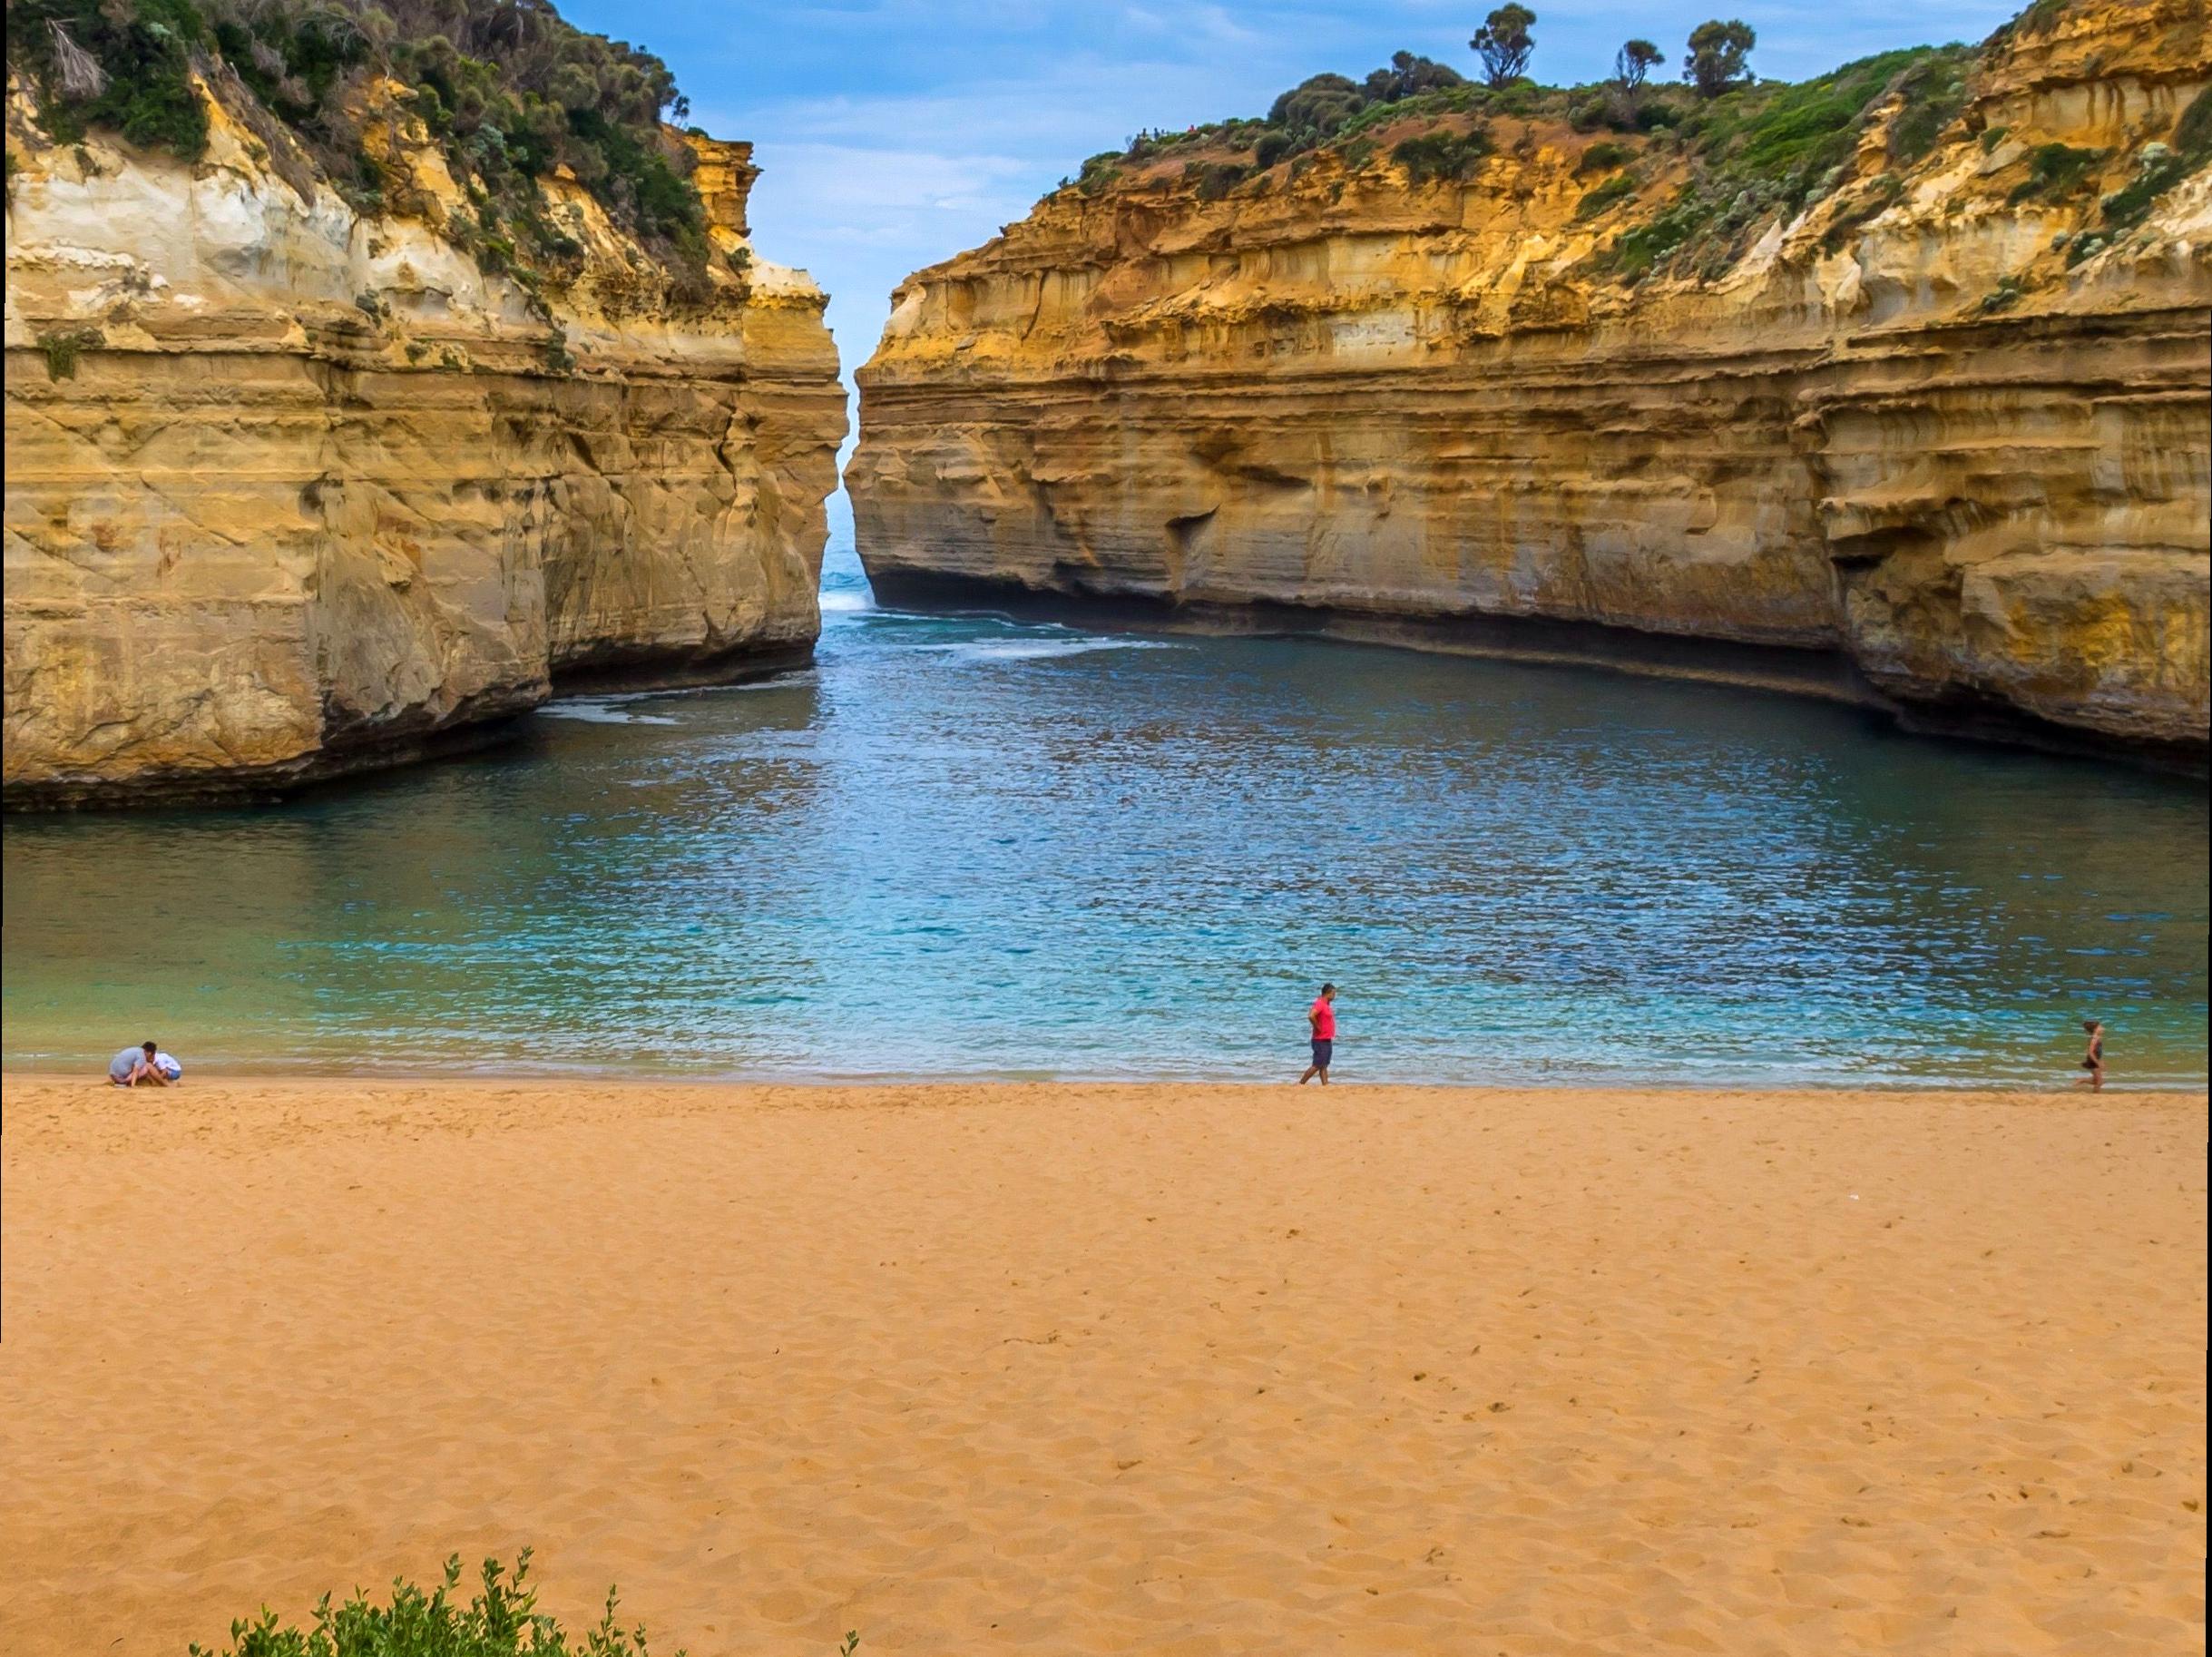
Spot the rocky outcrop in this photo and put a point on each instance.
(294, 489)
(1941, 440)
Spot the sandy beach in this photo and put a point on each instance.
(1158, 1368)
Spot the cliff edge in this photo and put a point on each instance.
(1893, 384)
(309, 472)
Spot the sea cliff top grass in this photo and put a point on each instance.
(1704, 168)
(510, 93)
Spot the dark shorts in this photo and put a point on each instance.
(1322, 1049)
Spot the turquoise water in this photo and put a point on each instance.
(971, 847)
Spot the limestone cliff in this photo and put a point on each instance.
(295, 487)
(1943, 424)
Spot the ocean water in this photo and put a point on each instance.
(966, 846)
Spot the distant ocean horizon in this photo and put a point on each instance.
(969, 846)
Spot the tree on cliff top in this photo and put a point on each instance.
(1505, 43)
(1408, 76)
(1719, 57)
(1633, 63)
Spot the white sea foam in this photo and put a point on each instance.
(603, 711)
(1040, 650)
(843, 602)
(774, 681)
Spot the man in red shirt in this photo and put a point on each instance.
(1322, 1015)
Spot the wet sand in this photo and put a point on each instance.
(1163, 1368)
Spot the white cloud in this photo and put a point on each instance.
(892, 134)
(833, 179)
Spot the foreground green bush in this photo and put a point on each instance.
(502, 1620)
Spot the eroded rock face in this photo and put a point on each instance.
(1931, 441)
(291, 491)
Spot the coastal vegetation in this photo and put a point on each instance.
(1709, 160)
(1719, 59)
(1619, 188)
(1333, 112)
(62, 347)
(470, 197)
(1504, 44)
(509, 90)
(1421, 368)
(1764, 152)
(1444, 154)
(501, 1619)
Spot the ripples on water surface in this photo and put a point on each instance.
(971, 847)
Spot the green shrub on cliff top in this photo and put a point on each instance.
(1098, 171)
(1620, 187)
(1215, 178)
(1603, 157)
(509, 90)
(293, 63)
(1934, 91)
(1324, 110)
(1758, 152)
(1790, 134)
(1429, 156)
(1762, 152)
(2039, 19)
(2055, 170)
(1462, 99)
(125, 66)
(2160, 167)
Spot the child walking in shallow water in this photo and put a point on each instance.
(2093, 1060)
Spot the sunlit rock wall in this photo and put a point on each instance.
(1937, 448)
(293, 490)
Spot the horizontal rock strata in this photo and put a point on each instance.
(293, 491)
(1933, 444)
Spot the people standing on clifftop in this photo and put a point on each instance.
(2093, 1060)
(1322, 1017)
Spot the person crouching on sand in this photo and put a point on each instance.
(1322, 1017)
(137, 1065)
(2093, 1060)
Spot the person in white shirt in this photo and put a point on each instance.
(135, 1065)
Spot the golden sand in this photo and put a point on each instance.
(978, 1368)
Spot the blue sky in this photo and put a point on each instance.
(893, 133)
